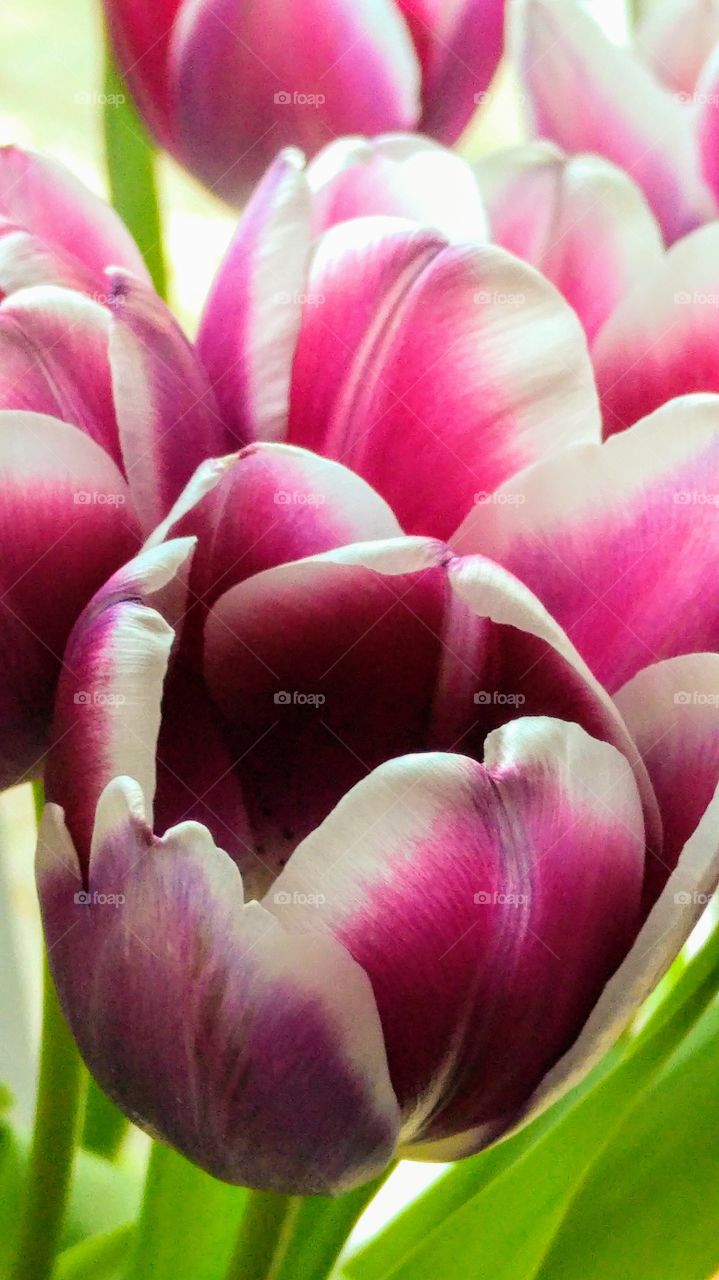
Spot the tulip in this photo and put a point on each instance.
(416, 868)
(653, 110)
(94, 443)
(224, 86)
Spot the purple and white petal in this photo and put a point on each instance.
(256, 1053)
(489, 903)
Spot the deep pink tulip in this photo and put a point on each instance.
(94, 443)
(653, 110)
(402, 898)
(225, 85)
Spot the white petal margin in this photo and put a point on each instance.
(257, 1053)
(107, 709)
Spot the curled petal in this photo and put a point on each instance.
(599, 531)
(674, 37)
(54, 361)
(435, 372)
(661, 340)
(459, 887)
(398, 175)
(66, 524)
(565, 59)
(68, 225)
(257, 1053)
(672, 712)
(249, 326)
(326, 71)
(581, 221)
(167, 415)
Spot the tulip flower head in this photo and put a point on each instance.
(225, 85)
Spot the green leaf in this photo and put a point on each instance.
(501, 1218)
(657, 1186)
(131, 165)
(102, 1257)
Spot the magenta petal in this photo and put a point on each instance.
(54, 360)
(672, 711)
(607, 535)
(258, 1054)
(251, 80)
(59, 212)
(65, 525)
(435, 373)
(565, 58)
(141, 35)
(706, 98)
(398, 175)
(661, 340)
(249, 326)
(488, 903)
(167, 416)
(581, 221)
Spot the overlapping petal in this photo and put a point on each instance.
(581, 221)
(435, 372)
(460, 888)
(587, 94)
(604, 533)
(674, 38)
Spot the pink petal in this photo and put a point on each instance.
(706, 100)
(400, 175)
(107, 707)
(672, 711)
(618, 540)
(674, 38)
(661, 341)
(488, 903)
(459, 43)
(581, 221)
(141, 36)
(249, 81)
(65, 524)
(625, 115)
(249, 327)
(258, 1054)
(434, 372)
(77, 228)
(168, 419)
(325, 668)
(54, 360)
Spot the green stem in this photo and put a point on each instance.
(96, 1258)
(105, 1126)
(264, 1235)
(131, 166)
(59, 1106)
(320, 1230)
(188, 1222)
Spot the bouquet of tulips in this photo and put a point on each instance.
(363, 651)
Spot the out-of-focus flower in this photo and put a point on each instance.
(442, 837)
(433, 365)
(653, 110)
(101, 424)
(224, 86)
